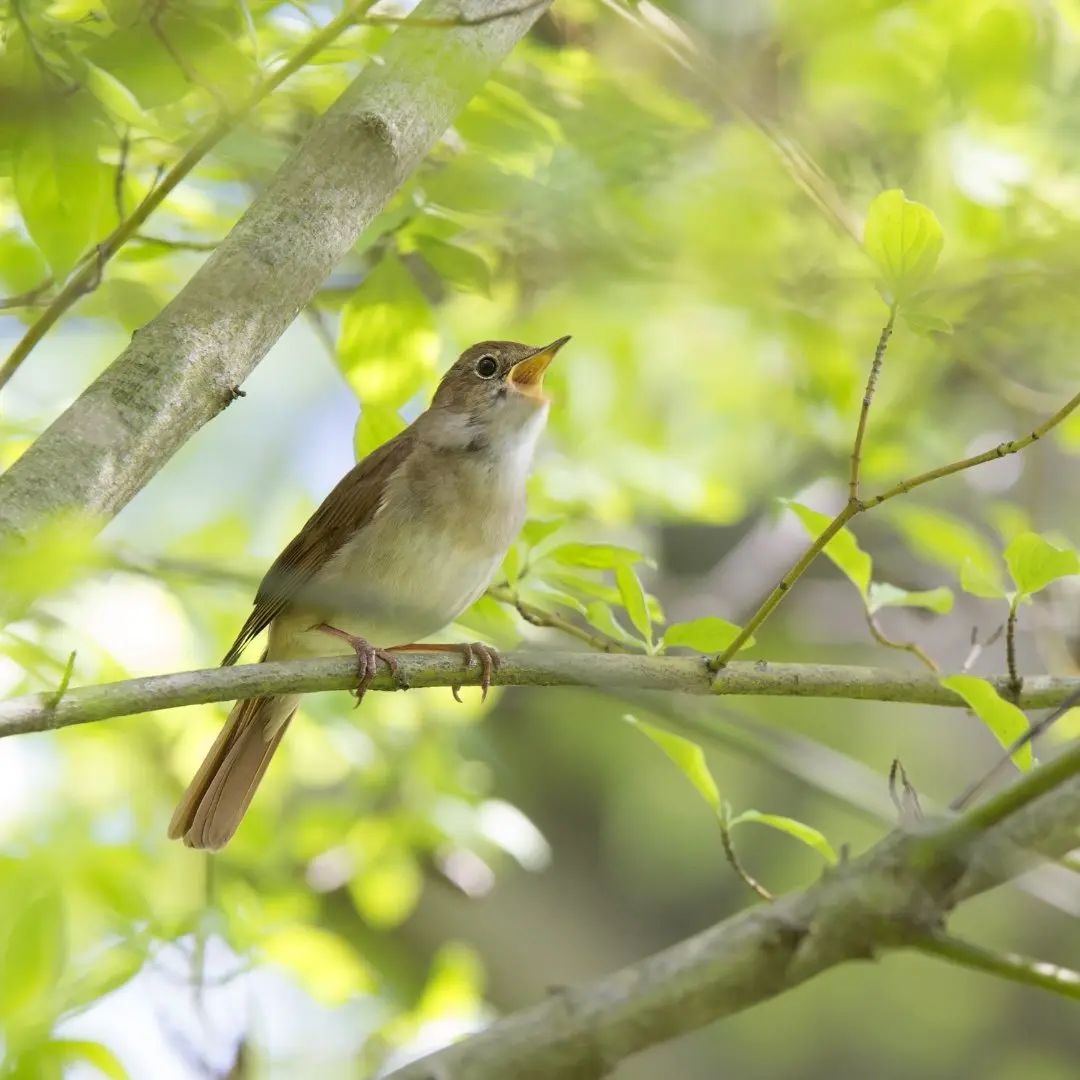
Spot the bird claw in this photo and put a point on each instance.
(489, 662)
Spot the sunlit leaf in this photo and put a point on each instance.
(633, 599)
(689, 757)
(457, 266)
(537, 530)
(1034, 562)
(904, 239)
(843, 549)
(32, 955)
(1002, 717)
(490, 619)
(329, 969)
(388, 345)
(706, 635)
(808, 835)
(603, 619)
(455, 984)
(884, 595)
(945, 539)
(78, 1052)
(377, 424)
(597, 556)
(386, 891)
(62, 188)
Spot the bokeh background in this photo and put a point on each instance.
(680, 197)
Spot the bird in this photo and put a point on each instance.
(406, 541)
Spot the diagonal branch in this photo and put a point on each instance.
(182, 369)
(46, 711)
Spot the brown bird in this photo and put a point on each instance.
(399, 549)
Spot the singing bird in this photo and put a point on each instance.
(396, 552)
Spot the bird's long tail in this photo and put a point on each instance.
(219, 794)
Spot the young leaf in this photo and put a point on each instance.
(1034, 562)
(843, 549)
(885, 595)
(687, 755)
(595, 556)
(974, 581)
(1002, 717)
(61, 188)
(600, 616)
(904, 239)
(633, 599)
(32, 956)
(457, 266)
(388, 344)
(537, 530)
(80, 1052)
(706, 635)
(806, 833)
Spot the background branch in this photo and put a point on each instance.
(182, 368)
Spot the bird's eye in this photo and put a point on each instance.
(486, 367)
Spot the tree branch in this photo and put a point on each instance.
(181, 369)
(890, 898)
(45, 711)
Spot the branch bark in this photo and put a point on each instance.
(48, 711)
(183, 368)
(893, 897)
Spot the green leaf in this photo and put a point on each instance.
(945, 539)
(633, 599)
(807, 834)
(388, 344)
(972, 580)
(600, 616)
(707, 635)
(32, 956)
(843, 549)
(511, 565)
(537, 530)
(325, 965)
(79, 1052)
(118, 100)
(377, 424)
(490, 619)
(595, 556)
(922, 322)
(1002, 717)
(457, 266)
(386, 892)
(885, 595)
(904, 239)
(61, 187)
(1034, 562)
(689, 757)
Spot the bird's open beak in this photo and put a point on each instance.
(527, 376)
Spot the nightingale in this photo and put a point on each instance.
(396, 552)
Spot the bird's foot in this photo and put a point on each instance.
(367, 658)
(472, 650)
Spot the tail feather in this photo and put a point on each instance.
(220, 792)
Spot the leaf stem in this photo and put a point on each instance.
(868, 397)
(1015, 682)
(905, 646)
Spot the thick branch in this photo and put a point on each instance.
(42, 712)
(183, 368)
(890, 898)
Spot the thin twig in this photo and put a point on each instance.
(539, 617)
(1015, 968)
(868, 397)
(852, 508)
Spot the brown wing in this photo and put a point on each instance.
(346, 510)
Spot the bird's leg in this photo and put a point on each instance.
(472, 650)
(366, 658)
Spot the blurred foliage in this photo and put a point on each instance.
(678, 224)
